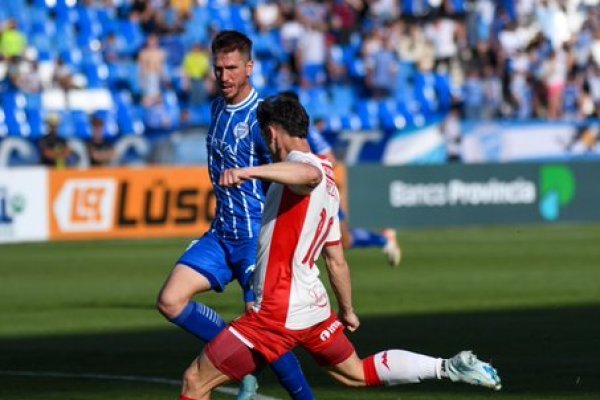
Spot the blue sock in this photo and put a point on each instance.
(290, 375)
(364, 238)
(200, 320)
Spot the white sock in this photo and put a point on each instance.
(394, 367)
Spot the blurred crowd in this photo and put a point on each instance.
(487, 59)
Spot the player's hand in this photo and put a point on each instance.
(350, 320)
(233, 177)
(249, 307)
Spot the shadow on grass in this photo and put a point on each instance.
(537, 352)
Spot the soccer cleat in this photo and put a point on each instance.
(465, 367)
(391, 249)
(248, 388)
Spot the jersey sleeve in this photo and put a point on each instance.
(317, 142)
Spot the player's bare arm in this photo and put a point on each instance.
(339, 276)
(287, 173)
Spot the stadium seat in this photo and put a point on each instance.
(368, 113)
(132, 34)
(96, 75)
(16, 122)
(129, 120)
(35, 120)
(3, 127)
(342, 99)
(81, 125)
(316, 101)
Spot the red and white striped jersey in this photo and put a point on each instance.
(293, 232)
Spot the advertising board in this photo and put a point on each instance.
(23, 204)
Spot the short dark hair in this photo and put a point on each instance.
(228, 41)
(286, 112)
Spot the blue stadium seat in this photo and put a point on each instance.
(81, 125)
(129, 120)
(35, 120)
(241, 18)
(16, 122)
(342, 99)
(132, 34)
(316, 101)
(3, 127)
(196, 27)
(368, 113)
(96, 75)
(175, 49)
(425, 92)
(200, 115)
(107, 20)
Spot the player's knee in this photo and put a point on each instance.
(350, 374)
(169, 305)
(191, 379)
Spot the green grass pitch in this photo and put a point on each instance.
(526, 298)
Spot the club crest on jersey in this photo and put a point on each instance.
(241, 130)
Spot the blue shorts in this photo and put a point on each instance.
(221, 260)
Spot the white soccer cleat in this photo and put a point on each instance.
(391, 249)
(465, 367)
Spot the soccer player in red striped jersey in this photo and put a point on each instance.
(292, 306)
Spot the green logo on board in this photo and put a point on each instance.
(557, 188)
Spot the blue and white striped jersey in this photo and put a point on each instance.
(234, 141)
(318, 144)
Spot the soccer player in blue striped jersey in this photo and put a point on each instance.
(229, 249)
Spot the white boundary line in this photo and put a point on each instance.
(126, 378)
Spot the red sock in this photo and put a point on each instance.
(371, 377)
(182, 397)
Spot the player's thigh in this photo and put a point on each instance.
(232, 357)
(348, 372)
(183, 283)
(208, 257)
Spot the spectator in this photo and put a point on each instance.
(12, 41)
(521, 95)
(100, 151)
(443, 33)
(473, 95)
(312, 49)
(183, 8)
(343, 20)
(382, 68)
(416, 48)
(64, 78)
(451, 130)
(492, 93)
(285, 79)
(196, 66)
(595, 47)
(54, 150)
(143, 13)
(113, 48)
(554, 73)
(28, 78)
(151, 68)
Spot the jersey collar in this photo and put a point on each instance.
(251, 97)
